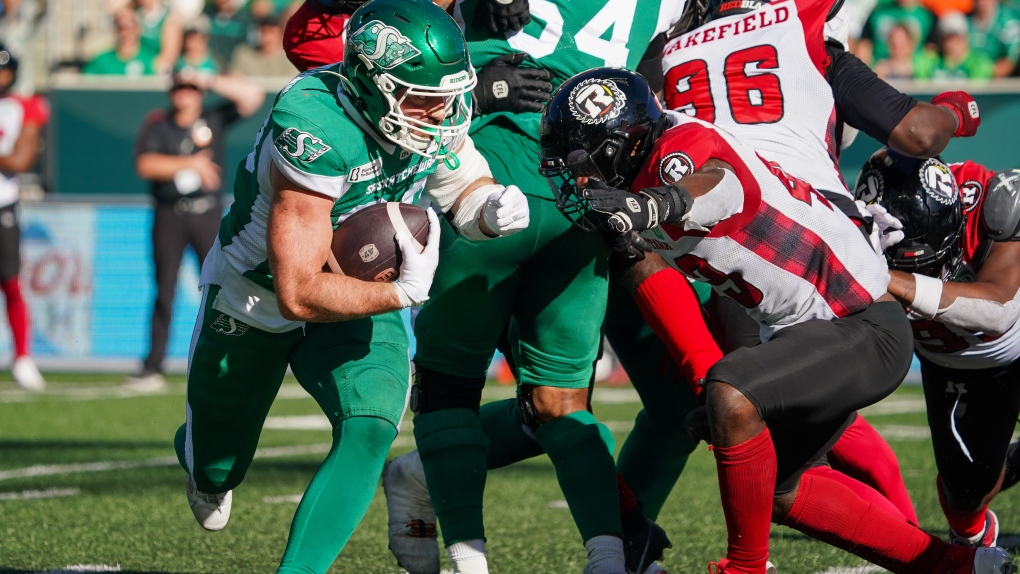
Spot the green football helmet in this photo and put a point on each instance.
(400, 48)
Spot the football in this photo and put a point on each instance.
(365, 246)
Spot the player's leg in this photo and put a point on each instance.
(234, 373)
(202, 228)
(811, 375)
(24, 371)
(358, 372)
(971, 414)
(558, 318)
(457, 330)
(863, 454)
(656, 450)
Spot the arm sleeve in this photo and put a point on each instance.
(863, 100)
(668, 304)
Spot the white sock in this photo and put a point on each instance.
(469, 557)
(605, 555)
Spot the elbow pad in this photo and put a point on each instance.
(989, 317)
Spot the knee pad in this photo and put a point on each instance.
(434, 391)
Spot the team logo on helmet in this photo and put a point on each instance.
(869, 185)
(595, 101)
(970, 192)
(383, 45)
(938, 181)
(675, 166)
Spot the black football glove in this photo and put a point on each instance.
(504, 86)
(503, 15)
(629, 247)
(643, 210)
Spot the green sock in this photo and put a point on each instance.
(453, 449)
(651, 460)
(581, 450)
(508, 443)
(338, 496)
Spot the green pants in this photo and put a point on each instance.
(551, 278)
(358, 373)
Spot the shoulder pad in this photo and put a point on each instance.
(1000, 211)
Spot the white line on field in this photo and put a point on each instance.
(558, 504)
(866, 569)
(84, 568)
(36, 494)
(895, 407)
(287, 499)
(903, 432)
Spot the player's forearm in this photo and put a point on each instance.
(924, 132)
(248, 97)
(161, 167)
(328, 297)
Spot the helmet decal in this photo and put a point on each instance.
(938, 181)
(970, 193)
(675, 166)
(869, 185)
(383, 45)
(596, 101)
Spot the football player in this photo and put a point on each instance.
(958, 273)
(385, 124)
(834, 339)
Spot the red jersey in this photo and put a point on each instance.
(955, 347)
(314, 36)
(16, 112)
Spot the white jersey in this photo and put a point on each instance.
(773, 244)
(15, 113)
(760, 76)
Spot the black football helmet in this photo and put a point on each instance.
(923, 194)
(600, 124)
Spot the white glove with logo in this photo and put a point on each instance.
(886, 230)
(506, 212)
(417, 269)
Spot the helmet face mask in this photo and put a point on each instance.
(599, 124)
(398, 49)
(926, 199)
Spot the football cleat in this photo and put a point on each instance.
(212, 511)
(643, 547)
(986, 539)
(412, 520)
(1012, 465)
(993, 560)
(26, 375)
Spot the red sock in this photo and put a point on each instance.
(17, 315)
(862, 490)
(668, 304)
(747, 479)
(967, 524)
(628, 501)
(864, 455)
(831, 512)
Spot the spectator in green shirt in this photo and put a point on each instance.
(956, 60)
(229, 26)
(160, 32)
(128, 57)
(902, 54)
(873, 47)
(995, 31)
(195, 54)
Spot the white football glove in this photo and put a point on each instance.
(506, 212)
(417, 269)
(886, 229)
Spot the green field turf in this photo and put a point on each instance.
(88, 477)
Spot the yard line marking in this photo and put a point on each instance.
(559, 504)
(84, 568)
(903, 432)
(266, 452)
(37, 494)
(307, 422)
(288, 499)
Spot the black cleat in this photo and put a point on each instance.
(643, 546)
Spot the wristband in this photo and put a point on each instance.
(927, 296)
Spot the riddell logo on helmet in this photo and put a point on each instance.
(383, 45)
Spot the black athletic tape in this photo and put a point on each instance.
(434, 391)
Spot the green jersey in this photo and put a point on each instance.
(318, 140)
(568, 37)
(109, 63)
(1000, 38)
